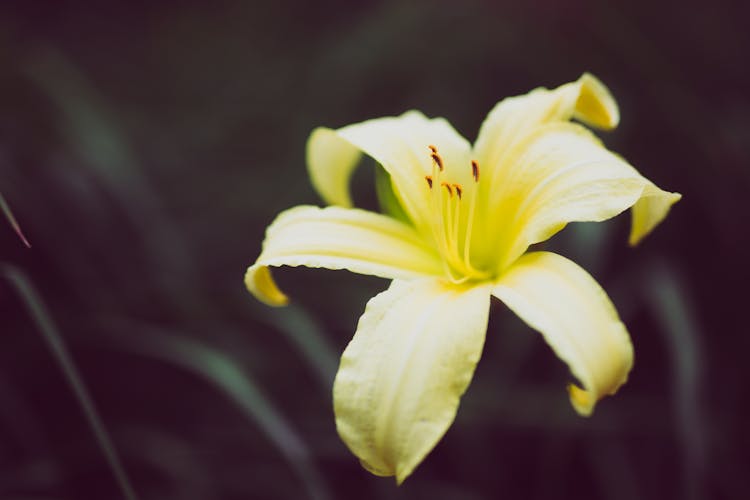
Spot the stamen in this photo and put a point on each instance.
(438, 160)
(448, 219)
(470, 218)
(438, 224)
(475, 170)
(435, 156)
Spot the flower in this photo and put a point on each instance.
(468, 217)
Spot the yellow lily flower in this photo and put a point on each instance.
(472, 213)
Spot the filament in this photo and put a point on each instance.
(447, 200)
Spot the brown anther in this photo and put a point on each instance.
(432, 149)
(459, 190)
(475, 170)
(428, 178)
(439, 161)
(448, 187)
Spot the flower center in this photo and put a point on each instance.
(453, 209)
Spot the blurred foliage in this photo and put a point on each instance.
(8, 213)
(144, 147)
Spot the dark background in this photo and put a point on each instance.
(145, 146)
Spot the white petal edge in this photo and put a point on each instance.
(339, 238)
(401, 377)
(567, 306)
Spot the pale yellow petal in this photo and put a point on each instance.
(330, 163)
(399, 144)
(339, 238)
(576, 318)
(650, 210)
(401, 377)
(513, 118)
(562, 173)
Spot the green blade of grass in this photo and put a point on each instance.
(43, 321)
(672, 309)
(307, 336)
(94, 133)
(12, 220)
(219, 369)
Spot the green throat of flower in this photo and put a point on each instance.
(453, 210)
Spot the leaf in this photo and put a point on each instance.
(12, 220)
(51, 335)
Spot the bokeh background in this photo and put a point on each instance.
(144, 147)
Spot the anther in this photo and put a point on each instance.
(448, 187)
(428, 178)
(432, 149)
(439, 161)
(475, 170)
(459, 190)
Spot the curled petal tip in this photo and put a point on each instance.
(595, 105)
(378, 471)
(583, 401)
(260, 283)
(649, 211)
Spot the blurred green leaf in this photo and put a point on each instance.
(306, 335)
(218, 368)
(12, 220)
(43, 321)
(94, 134)
(666, 291)
(389, 203)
